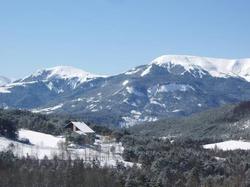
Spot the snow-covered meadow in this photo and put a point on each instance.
(229, 145)
(106, 151)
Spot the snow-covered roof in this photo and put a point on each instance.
(82, 127)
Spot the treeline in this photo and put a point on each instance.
(30, 172)
(50, 124)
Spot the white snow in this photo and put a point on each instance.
(132, 71)
(47, 145)
(47, 110)
(125, 82)
(73, 75)
(92, 106)
(66, 72)
(175, 87)
(80, 99)
(215, 66)
(245, 125)
(91, 99)
(41, 144)
(129, 121)
(4, 90)
(176, 110)
(147, 71)
(117, 91)
(172, 87)
(155, 102)
(50, 86)
(132, 90)
(40, 139)
(229, 145)
(135, 112)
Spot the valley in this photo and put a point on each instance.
(125, 93)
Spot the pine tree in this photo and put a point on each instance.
(193, 179)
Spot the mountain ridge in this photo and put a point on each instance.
(163, 88)
(217, 67)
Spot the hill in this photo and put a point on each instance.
(227, 122)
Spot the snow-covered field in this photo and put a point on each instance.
(229, 145)
(106, 150)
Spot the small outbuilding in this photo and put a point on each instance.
(80, 128)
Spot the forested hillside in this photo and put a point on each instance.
(50, 124)
(227, 122)
(163, 163)
(184, 163)
(168, 152)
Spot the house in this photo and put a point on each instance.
(80, 128)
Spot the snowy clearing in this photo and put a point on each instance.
(229, 145)
(106, 150)
(40, 139)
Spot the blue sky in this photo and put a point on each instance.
(111, 36)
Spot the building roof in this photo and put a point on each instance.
(82, 127)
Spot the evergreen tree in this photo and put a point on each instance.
(8, 128)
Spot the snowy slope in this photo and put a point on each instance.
(56, 79)
(48, 110)
(47, 145)
(215, 66)
(60, 72)
(229, 145)
(40, 139)
(7, 87)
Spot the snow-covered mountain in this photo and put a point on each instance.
(71, 75)
(168, 86)
(4, 80)
(43, 86)
(215, 66)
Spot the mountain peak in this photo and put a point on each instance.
(67, 72)
(61, 72)
(217, 67)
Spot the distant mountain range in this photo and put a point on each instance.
(169, 86)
